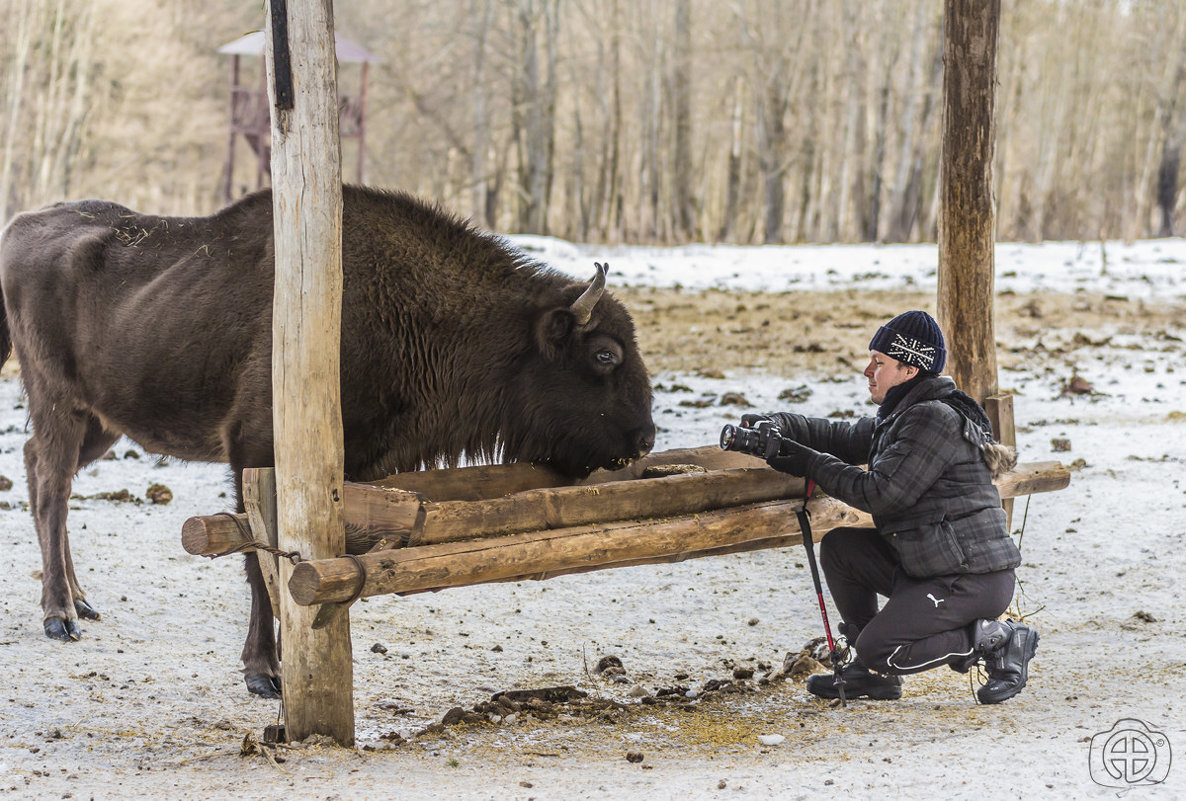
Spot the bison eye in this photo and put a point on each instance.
(605, 354)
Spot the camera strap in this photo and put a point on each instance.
(835, 655)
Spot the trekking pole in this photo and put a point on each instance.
(808, 542)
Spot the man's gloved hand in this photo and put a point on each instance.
(791, 457)
(750, 419)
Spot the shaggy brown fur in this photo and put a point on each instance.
(159, 328)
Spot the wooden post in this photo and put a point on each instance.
(259, 498)
(967, 218)
(1000, 414)
(317, 673)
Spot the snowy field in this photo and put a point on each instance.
(150, 703)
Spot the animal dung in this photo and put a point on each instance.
(159, 494)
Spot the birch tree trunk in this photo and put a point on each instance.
(684, 201)
(482, 12)
(15, 94)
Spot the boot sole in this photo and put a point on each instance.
(1025, 673)
(873, 695)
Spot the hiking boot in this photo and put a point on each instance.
(1007, 648)
(987, 636)
(859, 682)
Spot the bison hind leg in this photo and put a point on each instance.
(261, 666)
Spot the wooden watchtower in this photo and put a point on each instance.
(249, 117)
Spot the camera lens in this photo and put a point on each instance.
(735, 438)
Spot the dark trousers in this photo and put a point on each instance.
(924, 623)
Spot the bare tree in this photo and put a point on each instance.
(915, 123)
(752, 120)
(534, 96)
(681, 90)
(48, 86)
(481, 14)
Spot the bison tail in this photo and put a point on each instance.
(5, 339)
(5, 335)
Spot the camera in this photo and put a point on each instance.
(763, 440)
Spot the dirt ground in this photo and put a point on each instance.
(150, 703)
(829, 333)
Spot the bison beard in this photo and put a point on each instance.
(160, 328)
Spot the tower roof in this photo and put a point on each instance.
(253, 45)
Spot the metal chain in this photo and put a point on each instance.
(255, 545)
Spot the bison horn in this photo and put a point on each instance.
(582, 308)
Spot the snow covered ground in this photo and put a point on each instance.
(1143, 268)
(150, 703)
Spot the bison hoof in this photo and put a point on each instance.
(85, 610)
(57, 628)
(263, 685)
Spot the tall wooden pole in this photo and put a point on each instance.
(317, 673)
(967, 218)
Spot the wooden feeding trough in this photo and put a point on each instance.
(430, 530)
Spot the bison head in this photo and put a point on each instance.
(582, 398)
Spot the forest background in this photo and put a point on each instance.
(639, 121)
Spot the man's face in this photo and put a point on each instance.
(885, 373)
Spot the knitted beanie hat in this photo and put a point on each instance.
(913, 338)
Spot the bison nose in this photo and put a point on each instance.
(644, 439)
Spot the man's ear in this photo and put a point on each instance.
(552, 330)
(910, 370)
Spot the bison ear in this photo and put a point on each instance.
(552, 331)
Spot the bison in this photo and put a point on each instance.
(453, 344)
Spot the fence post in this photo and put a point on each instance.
(317, 673)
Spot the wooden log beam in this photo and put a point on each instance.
(482, 482)
(710, 457)
(548, 553)
(454, 564)
(213, 535)
(561, 507)
(370, 514)
(653, 498)
(759, 544)
(1026, 480)
(474, 483)
(373, 514)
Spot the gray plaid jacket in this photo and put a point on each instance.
(928, 484)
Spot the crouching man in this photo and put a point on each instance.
(941, 552)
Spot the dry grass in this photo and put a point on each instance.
(829, 332)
